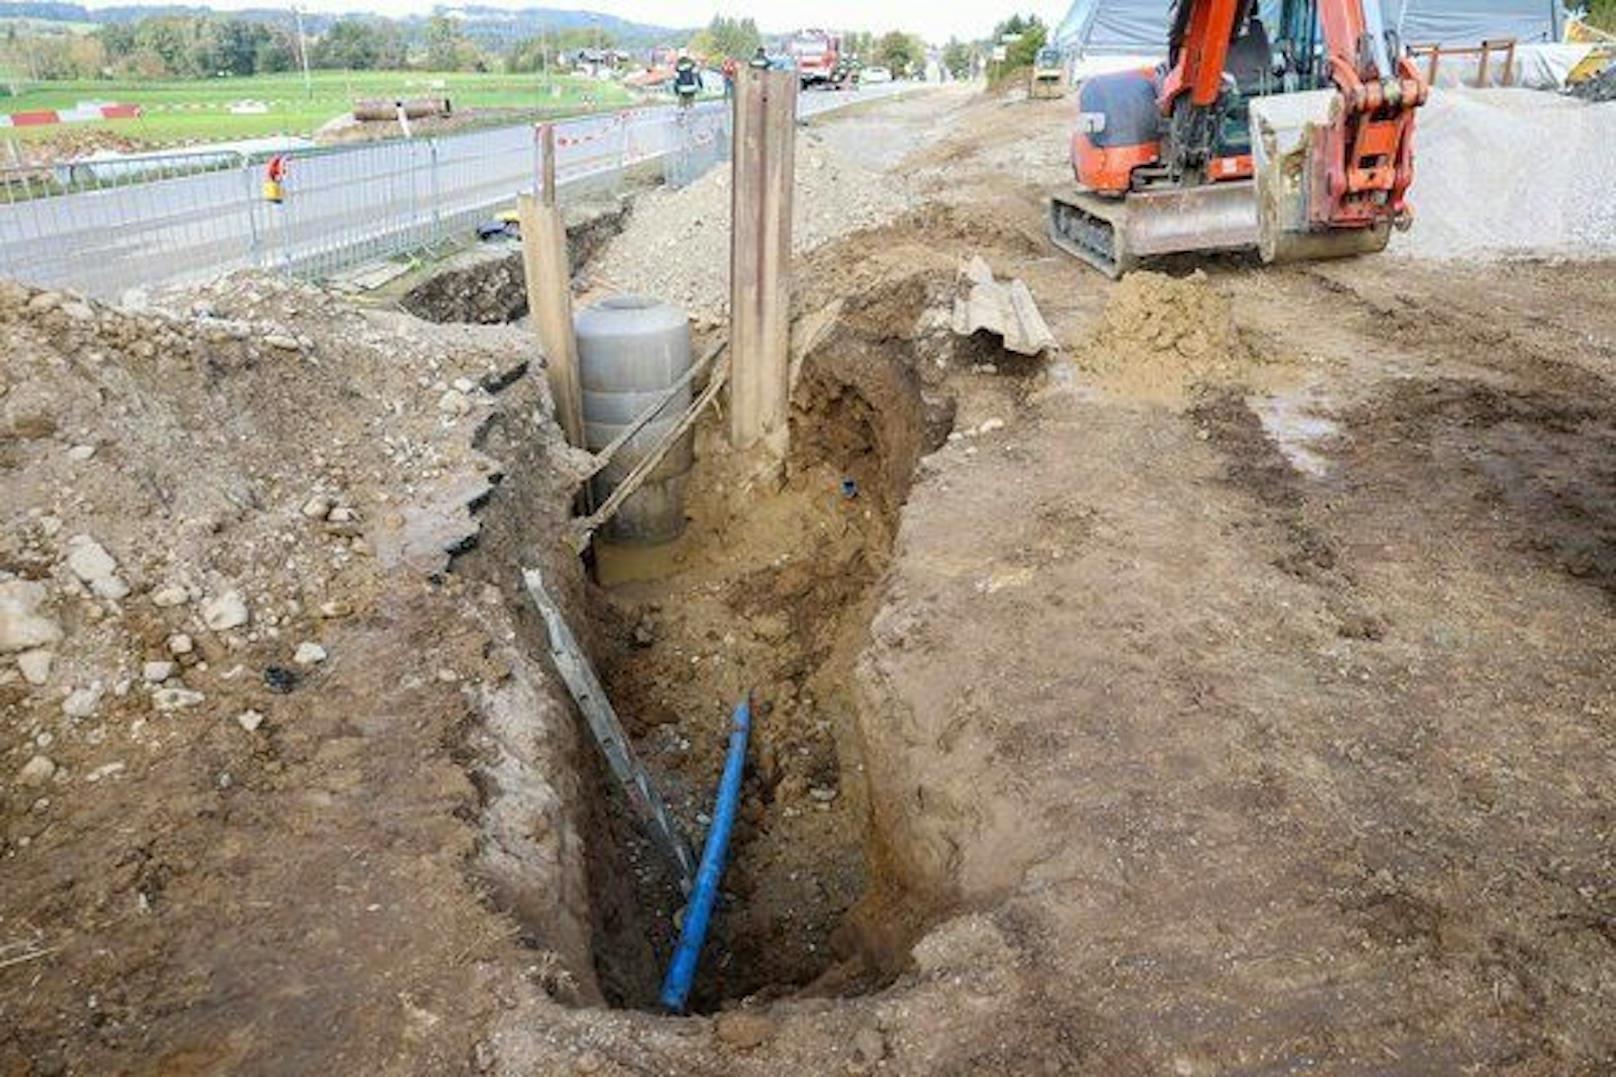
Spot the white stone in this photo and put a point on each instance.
(110, 587)
(157, 672)
(80, 453)
(35, 665)
(226, 611)
(174, 699)
(990, 425)
(309, 654)
(37, 771)
(454, 403)
(180, 643)
(282, 341)
(82, 702)
(105, 770)
(465, 385)
(249, 720)
(318, 507)
(169, 596)
(22, 626)
(89, 560)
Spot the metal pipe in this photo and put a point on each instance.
(693, 932)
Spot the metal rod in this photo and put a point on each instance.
(590, 696)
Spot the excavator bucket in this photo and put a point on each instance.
(1286, 140)
(1113, 234)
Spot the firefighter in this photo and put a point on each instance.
(686, 80)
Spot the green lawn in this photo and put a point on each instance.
(198, 110)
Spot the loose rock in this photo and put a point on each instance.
(89, 560)
(82, 702)
(454, 403)
(319, 506)
(169, 596)
(869, 1046)
(157, 672)
(309, 654)
(35, 666)
(37, 771)
(174, 699)
(743, 1030)
(225, 611)
(22, 625)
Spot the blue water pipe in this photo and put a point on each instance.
(693, 933)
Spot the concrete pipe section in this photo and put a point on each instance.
(631, 349)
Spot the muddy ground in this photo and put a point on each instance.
(1229, 691)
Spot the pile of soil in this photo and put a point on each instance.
(237, 689)
(1161, 336)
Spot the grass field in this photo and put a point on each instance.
(198, 110)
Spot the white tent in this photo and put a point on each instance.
(1139, 27)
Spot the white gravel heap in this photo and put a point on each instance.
(1512, 173)
(676, 245)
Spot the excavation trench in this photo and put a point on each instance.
(769, 589)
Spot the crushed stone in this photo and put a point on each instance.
(676, 244)
(1512, 173)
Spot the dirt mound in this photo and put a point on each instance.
(1162, 336)
(228, 655)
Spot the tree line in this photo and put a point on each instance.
(200, 45)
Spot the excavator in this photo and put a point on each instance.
(1299, 145)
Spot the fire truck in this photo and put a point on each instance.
(819, 59)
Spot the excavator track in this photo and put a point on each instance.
(1085, 226)
(1113, 235)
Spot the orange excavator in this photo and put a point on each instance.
(1298, 145)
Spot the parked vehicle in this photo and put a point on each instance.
(877, 74)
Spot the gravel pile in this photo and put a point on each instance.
(676, 245)
(1509, 172)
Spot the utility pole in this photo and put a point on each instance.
(303, 53)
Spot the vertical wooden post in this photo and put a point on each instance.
(760, 256)
(549, 290)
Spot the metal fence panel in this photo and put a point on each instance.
(104, 227)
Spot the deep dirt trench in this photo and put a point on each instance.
(769, 590)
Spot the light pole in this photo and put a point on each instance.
(303, 52)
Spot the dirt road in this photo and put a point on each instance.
(1229, 691)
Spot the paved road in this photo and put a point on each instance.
(343, 206)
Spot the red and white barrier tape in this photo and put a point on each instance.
(80, 114)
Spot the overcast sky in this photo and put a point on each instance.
(936, 20)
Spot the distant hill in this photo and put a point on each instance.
(489, 25)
